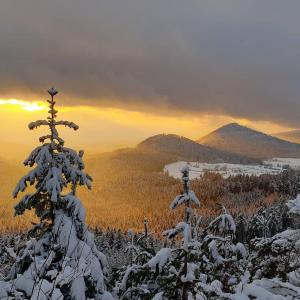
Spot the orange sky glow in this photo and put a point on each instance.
(104, 128)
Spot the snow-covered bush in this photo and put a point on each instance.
(136, 280)
(294, 211)
(268, 221)
(264, 289)
(279, 256)
(59, 259)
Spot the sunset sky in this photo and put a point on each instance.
(134, 68)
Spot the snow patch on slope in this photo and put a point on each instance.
(293, 163)
(273, 166)
(197, 169)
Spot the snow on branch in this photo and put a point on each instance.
(23, 182)
(75, 207)
(67, 124)
(39, 155)
(45, 137)
(223, 224)
(183, 228)
(132, 269)
(160, 259)
(38, 123)
(185, 198)
(55, 183)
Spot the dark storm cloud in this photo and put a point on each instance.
(234, 57)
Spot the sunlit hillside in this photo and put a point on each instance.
(9, 174)
(129, 184)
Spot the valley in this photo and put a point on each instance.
(130, 183)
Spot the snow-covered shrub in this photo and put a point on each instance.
(265, 289)
(60, 259)
(9, 245)
(294, 211)
(136, 280)
(279, 256)
(113, 244)
(268, 221)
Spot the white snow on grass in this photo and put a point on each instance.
(273, 166)
(293, 163)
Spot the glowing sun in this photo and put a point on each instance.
(24, 105)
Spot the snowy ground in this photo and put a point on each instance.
(272, 166)
(293, 163)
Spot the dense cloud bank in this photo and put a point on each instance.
(236, 58)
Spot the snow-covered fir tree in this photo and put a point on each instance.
(223, 260)
(171, 272)
(182, 269)
(60, 259)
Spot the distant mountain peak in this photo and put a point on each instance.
(242, 140)
(236, 127)
(161, 138)
(231, 125)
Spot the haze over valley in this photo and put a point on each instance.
(117, 173)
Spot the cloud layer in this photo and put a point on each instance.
(239, 58)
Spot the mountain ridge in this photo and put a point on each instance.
(291, 136)
(243, 140)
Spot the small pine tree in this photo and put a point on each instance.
(241, 228)
(182, 269)
(60, 260)
(146, 245)
(171, 273)
(223, 259)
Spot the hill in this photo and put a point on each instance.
(245, 141)
(186, 149)
(291, 136)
